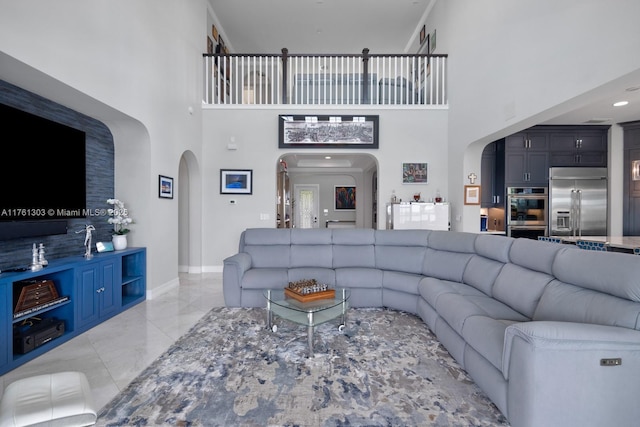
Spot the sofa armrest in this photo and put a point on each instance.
(564, 373)
(233, 269)
(568, 336)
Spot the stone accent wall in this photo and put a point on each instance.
(100, 179)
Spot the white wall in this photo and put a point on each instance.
(405, 136)
(514, 64)
(136, 65)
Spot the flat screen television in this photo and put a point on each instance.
(44, 173)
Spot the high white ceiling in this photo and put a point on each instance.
(320, 26)
(382, 26)
(596, 107)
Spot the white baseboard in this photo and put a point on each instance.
(212, 269)
(191, 269)
(163, 289)
(174, 283)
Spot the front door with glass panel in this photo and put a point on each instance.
(306, 205)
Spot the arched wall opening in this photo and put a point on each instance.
(334, 175)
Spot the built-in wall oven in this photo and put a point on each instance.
(527, 212)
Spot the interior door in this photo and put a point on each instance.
(306, 205)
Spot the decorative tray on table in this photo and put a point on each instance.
(308, 290)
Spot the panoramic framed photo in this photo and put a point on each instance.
(165, 187)
(236, 181)
(312, 131)
(345, 197)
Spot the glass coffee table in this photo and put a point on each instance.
(310, 314)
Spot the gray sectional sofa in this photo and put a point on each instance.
(548, 331)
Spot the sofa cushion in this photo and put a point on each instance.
(497, 310)
(445, 265)
(534, 254)
(401, 250)
(265, 256)
(481, 273)
(266, 236)
(493, 247)
(448, 254)
(354, 248)
(354, 236)
(520, 288)
(311, 248)
(268, 247)
(431, 289)
(486, 335)
(402, 237)
(612, 273)
(452, 242)
(265, 278)
(400, 281)
(568, 303)
(311, 236)
(355, 277)
(311, 256)
(457, 309)
(354, 256)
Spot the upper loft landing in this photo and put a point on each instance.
(416, 81)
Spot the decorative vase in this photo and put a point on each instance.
(119, 242)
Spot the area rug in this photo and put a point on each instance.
(385, 368)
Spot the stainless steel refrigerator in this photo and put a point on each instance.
(577, 201)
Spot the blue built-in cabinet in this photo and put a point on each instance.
(97, 289)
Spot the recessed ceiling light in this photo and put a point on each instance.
(598, 120)
(327, 157)
(620, 103)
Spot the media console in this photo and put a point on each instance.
(89, 292)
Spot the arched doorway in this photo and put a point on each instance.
(189, 215)
(309, 186)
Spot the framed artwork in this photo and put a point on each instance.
(165, 187)
(236, 181)
(432, 41)
(214, 32)
(427, 44)
(209, 45)
(471, 194)
(423, 33)
(345, 198)
(414, 173)
(311, 131)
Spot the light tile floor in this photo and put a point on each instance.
(113, 353)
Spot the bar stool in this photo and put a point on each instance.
(550, 239)
(592, 246)
(60, 399)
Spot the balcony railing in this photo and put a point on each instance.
(362, 79)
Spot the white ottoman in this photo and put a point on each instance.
(62, 399)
